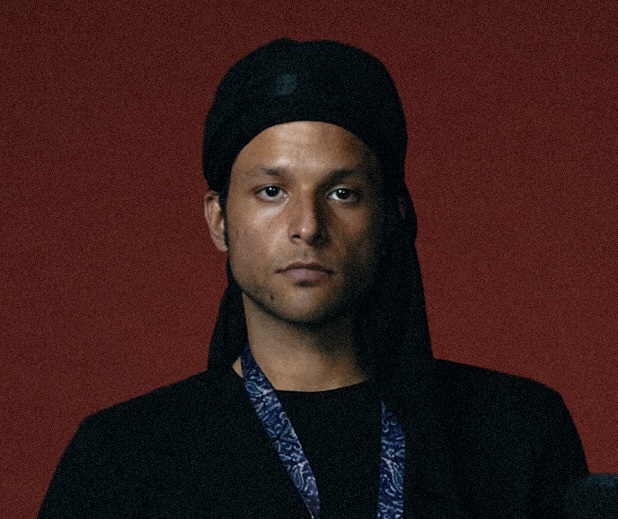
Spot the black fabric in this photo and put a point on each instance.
(339, 431)
(197, 449)
(286, 81)
(593, 496)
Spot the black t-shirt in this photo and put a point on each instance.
(339, 431)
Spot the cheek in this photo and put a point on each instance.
(368, 231)
(252, 247)
(363, 245)
(247, 237)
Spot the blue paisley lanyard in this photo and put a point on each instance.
(286, 443)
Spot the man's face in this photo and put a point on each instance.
(304, 219)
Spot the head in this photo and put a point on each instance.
(339, 105)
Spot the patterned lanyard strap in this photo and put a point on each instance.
(286, 443)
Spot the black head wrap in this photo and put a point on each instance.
(288, 81)
(327, 81)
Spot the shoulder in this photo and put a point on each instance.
(175, 397)
(481, 386)
(471, 396)
(498, 404)
(512, 440)
(174, 411)
(148, 449)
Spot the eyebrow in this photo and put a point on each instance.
(260, 170)
(333, 176)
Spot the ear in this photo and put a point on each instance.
(215, 219)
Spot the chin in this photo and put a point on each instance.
(309, 315)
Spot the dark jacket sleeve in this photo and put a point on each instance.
(515, 449)
(559, 458)
(93, 479)
(191, 449)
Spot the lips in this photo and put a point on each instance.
(307, 272)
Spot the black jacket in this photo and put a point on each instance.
(197, 449)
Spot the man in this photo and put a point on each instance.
(322, 398)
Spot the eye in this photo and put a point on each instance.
(270, 192)
(343, 194)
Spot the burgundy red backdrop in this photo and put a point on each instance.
(109, 285)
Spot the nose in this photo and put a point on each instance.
(307, 221)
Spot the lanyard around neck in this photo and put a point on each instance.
(283, 438)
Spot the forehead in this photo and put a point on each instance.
(307, 146)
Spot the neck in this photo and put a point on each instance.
(302, 358)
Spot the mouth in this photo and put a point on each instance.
(306, 272)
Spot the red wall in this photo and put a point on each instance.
(109, 285)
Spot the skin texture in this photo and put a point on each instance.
(304, 218)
